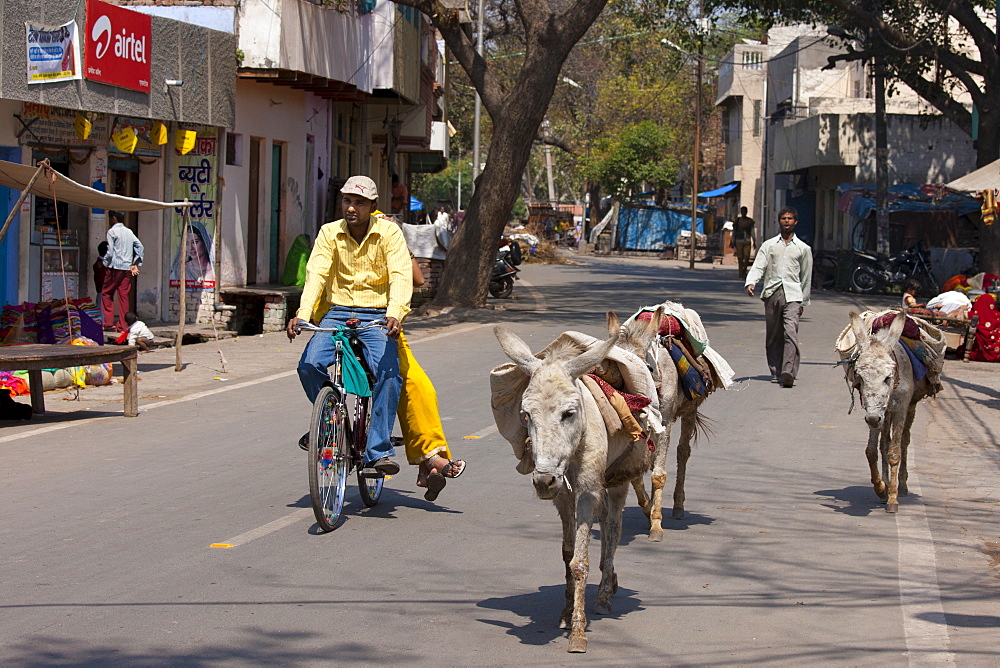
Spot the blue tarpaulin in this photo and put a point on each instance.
(415, 204)
(651, 228)
(719, 191)
(859, 199)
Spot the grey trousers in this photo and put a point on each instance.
(781, 339)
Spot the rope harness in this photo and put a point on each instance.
(848, 363)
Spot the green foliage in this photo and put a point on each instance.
(442, 188)
(640, 156)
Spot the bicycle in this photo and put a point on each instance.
(336, 439)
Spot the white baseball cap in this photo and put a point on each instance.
(361, 185)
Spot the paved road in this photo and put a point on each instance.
(785, 556)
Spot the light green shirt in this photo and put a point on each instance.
(783, 265)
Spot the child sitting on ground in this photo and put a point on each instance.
(138, 333)
(910, 291)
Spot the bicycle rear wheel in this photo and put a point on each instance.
(329, 457)
(370, 488)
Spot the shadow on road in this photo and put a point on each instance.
(542, 609)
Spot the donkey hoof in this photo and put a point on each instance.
(602, 608)
(577, 644)
(677, 514)
(564, 622)
(892, 507)
(903, 491)
(882, 491)
(656, 535)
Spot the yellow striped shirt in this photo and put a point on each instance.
(377, 273)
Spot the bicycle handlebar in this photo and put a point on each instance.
(309, 327)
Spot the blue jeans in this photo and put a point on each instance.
(382, 356)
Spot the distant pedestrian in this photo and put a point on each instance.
(399, 201)
(785, 265)
(122, 260)
(744, 236)
(99, 269)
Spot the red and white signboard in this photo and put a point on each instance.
(118, 46)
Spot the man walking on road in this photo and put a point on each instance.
(359, 268)
(785, 265)
(744, 236)
(122, 259)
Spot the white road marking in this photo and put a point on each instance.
(439, 335)
(156, 404)
(270, 527)
(924, 623)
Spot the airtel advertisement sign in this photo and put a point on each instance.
(118, 46)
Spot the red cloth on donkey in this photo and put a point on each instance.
(987, 344)
(669, 326)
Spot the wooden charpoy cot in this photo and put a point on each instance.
(37, 356)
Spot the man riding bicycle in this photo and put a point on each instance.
(359, 269)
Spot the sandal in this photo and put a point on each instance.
(435, 483)
(454, 468)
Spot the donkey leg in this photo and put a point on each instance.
(904, 446)
(611, 533)
(643, 499)
(688, 424)
(579, 567)
(658, 480)
(565, 505)
(872, 453)
(895, 433)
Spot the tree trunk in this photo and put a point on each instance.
(466, 275)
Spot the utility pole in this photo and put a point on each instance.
(479, 101)
(697, 142)
(548, 169)
(881, 158)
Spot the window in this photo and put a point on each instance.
(234, 149)
(756, 118)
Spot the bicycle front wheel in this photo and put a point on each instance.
(329, 457)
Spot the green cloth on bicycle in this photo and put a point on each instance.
(351, 372)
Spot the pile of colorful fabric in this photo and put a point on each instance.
(701, 369)
(986, 347)
(56, 321)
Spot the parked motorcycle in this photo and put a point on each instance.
(505, 269)
(874, 272)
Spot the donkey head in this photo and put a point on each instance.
(874, 372)
(552, 406)
(639, 335)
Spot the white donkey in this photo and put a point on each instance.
(577, 463)
(881, 371)
(639, 337)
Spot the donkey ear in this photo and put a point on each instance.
(517, 350)
(614, 324)
(861, 335)
(586, 361)
(891, 333)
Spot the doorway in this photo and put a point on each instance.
(9, 247)
(253, 210)
(274, 246)
(123, 178)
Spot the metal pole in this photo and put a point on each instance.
(43, 164)
(697, 156)
(182, 296)
(881, 160)
(479, 101)
(548, 169)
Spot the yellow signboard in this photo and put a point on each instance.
(158, 135)
(184, 141)
(125, 139)
(83, 126)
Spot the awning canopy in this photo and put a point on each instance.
(415, 204)
(984, 178)
(720, 191)
(17, 177)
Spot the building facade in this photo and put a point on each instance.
(111, 124)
